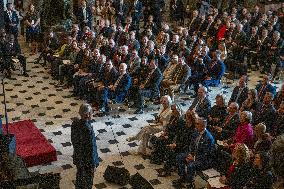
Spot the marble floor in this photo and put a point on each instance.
(51, 108)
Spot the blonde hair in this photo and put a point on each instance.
(241, 153)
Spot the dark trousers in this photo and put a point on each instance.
(46, 55)
(104, 95)
(188, 170)
(84, 177)
(138, 101)
(195, 81)
(23, 63)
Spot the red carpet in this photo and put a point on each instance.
(31, 145)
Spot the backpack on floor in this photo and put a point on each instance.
(117, 175)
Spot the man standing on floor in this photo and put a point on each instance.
(85, 155)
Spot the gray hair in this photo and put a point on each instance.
(248, 115)
(168, 98)
(85, 109)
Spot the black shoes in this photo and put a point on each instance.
(139, 111)
(183, 183)
(26, 75)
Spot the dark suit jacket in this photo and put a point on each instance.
(137, 11)
(122, 88)
(229, 129)
(89, 17)
(84, 144)
(260, 179)
(13, 50)
(153, 83)
(182, 73)
(124, 8)
(52, 43)
(203, 108)
(240, 175)
(163, 62)
(269, 88)
(14, 20)
(205, 148)
(109, 78)
(194, 25)
(265, 114)
(217, 71)
(242, 97)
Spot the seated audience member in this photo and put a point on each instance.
(138, 78)
(108, 78)
(61, 54)
(197, 157)
(226, 129)
(163, 58)
(244, 132)
(51, 44)
(278, 127)
(252, 47)
(175, 140)
(184, 50)
(149, 88)
(133, 43)
(264, 87)
(11, 50)
(240, 170)
(262, 139)
(251, 103)
(161, 139)
(170, 70)
(265, 112)
(82, 70)
(276, 52)
(118, 90)
(93, 73)
(222, 48)
(67, 70)
(134, 62)
(162, 120)
(215, 70)
(240, 92)
(198, 74)
(279, 98)
(110, 49)
(261, 175)
(173, 45)
(276, 161)
(179, 76)
(201, 104)
(218, 112)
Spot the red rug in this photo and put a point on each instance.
(31, 144)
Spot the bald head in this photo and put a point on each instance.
(122, 68)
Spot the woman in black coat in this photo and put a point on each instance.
(261, 175)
